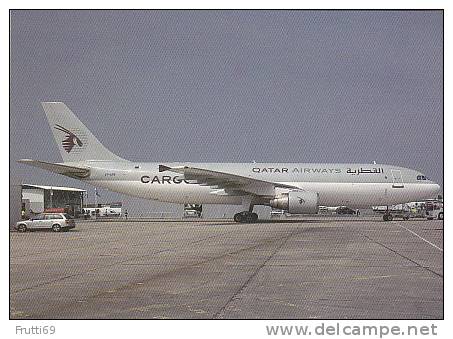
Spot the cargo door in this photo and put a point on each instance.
(397, 179)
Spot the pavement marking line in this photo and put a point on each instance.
(403, 256)
(265, 241)
(121, 262)
(373, 277)
(220, 313)
(419, 236)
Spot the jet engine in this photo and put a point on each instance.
(297, 202)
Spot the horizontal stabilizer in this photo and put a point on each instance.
(70, 171)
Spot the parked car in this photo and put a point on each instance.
(54, 221)
(345, 210)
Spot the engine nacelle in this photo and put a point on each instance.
(297, 202)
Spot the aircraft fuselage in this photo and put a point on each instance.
(354, 185)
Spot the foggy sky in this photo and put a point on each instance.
(231, 86)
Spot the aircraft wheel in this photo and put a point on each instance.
(238, 217)
(389, 217)
(254, 217)
(247, 217)
(385, 217)
(251, 217)
(440, 216)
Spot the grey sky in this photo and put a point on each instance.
(294, 86)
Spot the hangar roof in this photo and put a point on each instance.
(54, 188)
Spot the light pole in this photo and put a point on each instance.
(95, 202)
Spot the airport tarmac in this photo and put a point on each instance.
(311, 268)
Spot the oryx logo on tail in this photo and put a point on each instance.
(71, 139)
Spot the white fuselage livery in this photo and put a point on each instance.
(335, 188)
(296, 187)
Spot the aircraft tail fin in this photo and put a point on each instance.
(75, 142)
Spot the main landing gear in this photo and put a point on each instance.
(246, 217)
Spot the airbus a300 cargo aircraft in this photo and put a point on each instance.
(298, 188)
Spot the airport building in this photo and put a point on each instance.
(36, 199)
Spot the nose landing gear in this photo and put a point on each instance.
(246, 217)
(387, 216)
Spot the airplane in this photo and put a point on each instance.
(298, 188)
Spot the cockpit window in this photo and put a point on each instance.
(421, 177)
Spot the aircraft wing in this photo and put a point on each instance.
(230, 183)
(70, 171)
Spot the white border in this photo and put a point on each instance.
(202, 329)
